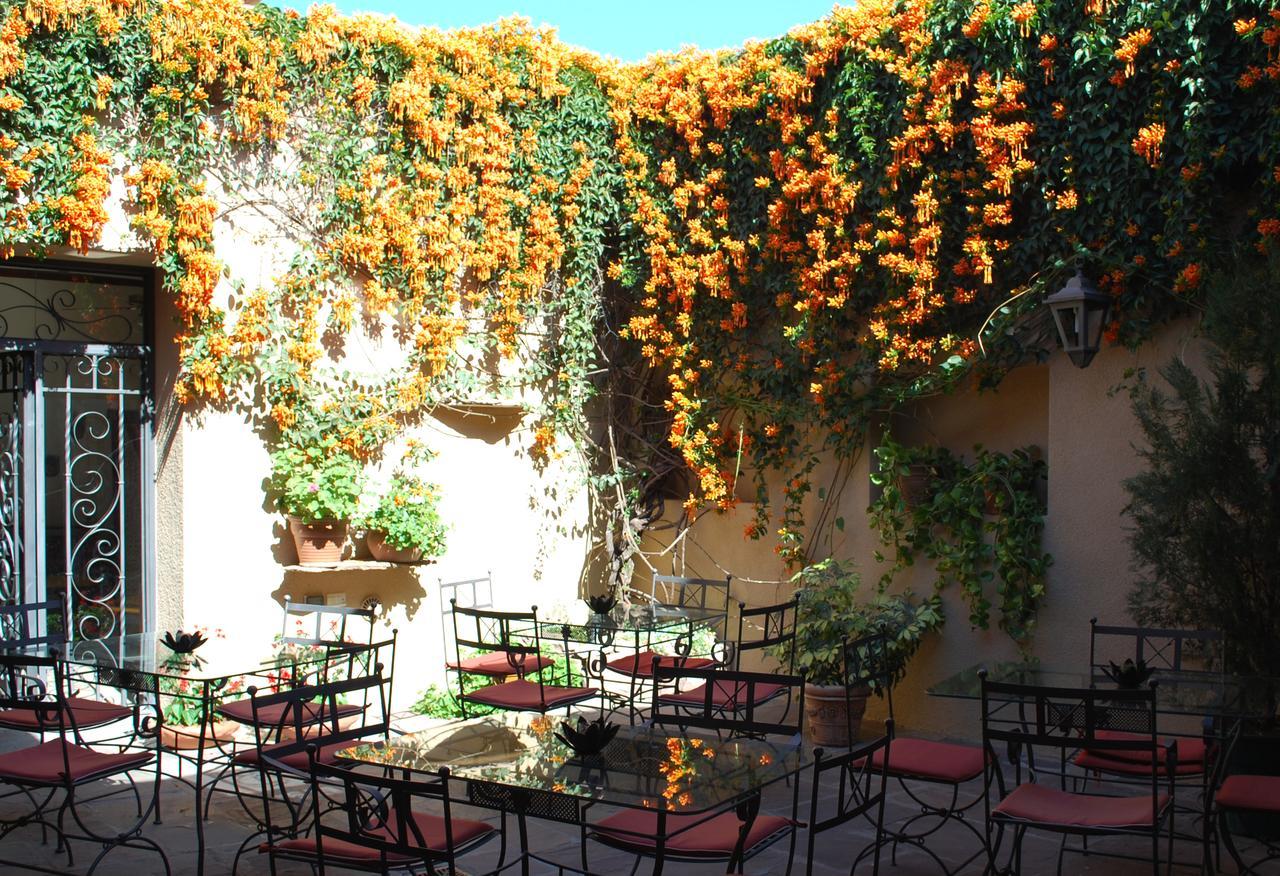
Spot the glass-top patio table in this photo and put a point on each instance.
(602, 640)
(515, 763)
(138, 666)
(1192, 693)
(632, 622)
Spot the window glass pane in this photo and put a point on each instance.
(78, 308)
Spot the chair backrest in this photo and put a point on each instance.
(1027, 718)
(375, 812)
(731, 700)
(1156, 647)
(310, 624)
(862, 781)
(776, 625)
(866, 665)
(21, 623)
(37, 685)
(468, 593)
(485, 629)
(710, 593)
(286, 721)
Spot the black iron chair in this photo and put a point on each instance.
(37, 628)
(775, 626)
(1028, 719)
(915, 762)
(378, 824)
(1247, 803)
(727, 837)
(509, 654)
(708, 594)
(60, 768)
(289, 722)
(1171, 651)
(318, 643)
(861, 793)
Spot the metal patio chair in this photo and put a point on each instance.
(60, 769)
(286, 725)
(510, 647)
(914, 762)
(1030, 719)
(716, 837)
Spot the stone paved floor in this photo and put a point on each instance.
(229, 825)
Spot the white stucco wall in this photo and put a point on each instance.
(223, 554)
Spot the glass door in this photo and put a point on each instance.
(76, 464)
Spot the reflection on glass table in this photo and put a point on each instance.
(643, 767)
(1197, 693)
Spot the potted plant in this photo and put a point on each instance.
(829, 614)
(186, 723)
(405, 527)
(317, 485)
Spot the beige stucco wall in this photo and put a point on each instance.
(1087, 434)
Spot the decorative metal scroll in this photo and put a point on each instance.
(60, 314)
(100, 430)
(12, 387)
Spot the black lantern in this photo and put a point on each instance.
(1080, 312)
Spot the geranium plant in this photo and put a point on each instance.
(406, 515)
(316, 481)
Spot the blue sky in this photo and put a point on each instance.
(628, 31)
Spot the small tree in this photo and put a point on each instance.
(1206, 512)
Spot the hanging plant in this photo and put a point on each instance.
(980, 524)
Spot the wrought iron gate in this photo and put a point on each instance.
(76, 475)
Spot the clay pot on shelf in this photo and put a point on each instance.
(831, 714)
(385, 553)
(319, 543)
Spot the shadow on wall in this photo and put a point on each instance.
(391, 587)
(489, 423)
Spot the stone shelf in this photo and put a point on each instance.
(353, 566)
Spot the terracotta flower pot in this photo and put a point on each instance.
(319, 543)
(185, 737)
(830, 715)
(385, 553)
(917, 485)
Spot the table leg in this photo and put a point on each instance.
(522, 805)
(207, 703)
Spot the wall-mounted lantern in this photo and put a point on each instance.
(1080, 313)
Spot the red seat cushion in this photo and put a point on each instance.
(497, 664)
(641, 664)
(465, 832)
(524, 695)
(1255, 793)
(42, 764)
(1043, 805)
(1191, 750)
(934, 761)
(85, 713)
(273, 716)
(697, 835)
(725, 695)
(325, 754)
(1106, 762)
